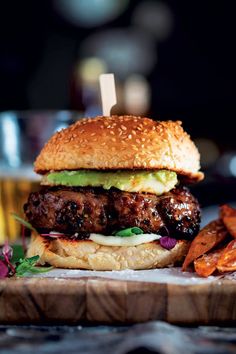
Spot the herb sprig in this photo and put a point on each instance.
(13, 260)
(28, 265)
(23, 222)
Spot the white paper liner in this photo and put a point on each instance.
(165, 275)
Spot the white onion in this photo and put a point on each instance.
(123, 241)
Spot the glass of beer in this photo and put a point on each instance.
(22, 135)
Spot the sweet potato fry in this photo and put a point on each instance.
(230, 224)
(228, 215)
(206, 264)
(227, 260)
(210, 236)
(226, 210)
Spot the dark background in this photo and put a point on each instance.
(193, 78)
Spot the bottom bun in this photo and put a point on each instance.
(86, 254)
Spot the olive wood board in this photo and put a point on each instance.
(98, 299)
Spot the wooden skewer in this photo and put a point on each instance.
(108, 93)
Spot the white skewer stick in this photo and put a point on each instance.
(108, 93)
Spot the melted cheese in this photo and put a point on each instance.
(123, 241)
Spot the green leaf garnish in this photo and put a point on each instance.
(37, 270)
(129, 232)
(23, 222)
(28, 265)
(32, 260)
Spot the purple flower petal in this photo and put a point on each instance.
(168, 242)
(7, 251)
(3, 270)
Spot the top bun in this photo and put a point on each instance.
(121, 142)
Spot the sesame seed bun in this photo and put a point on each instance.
(121, 142)
(77, 254)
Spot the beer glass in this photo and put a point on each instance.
(22, 135)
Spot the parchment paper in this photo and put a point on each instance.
(166, 275)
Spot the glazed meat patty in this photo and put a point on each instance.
(94, 210)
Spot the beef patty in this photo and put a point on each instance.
(85, 210)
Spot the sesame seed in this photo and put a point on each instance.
(123, 127)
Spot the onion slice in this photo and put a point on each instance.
(123, 241)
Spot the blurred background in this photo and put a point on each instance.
(171, 60)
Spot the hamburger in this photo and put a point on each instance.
(113, 195)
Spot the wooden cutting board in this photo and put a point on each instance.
(91, 299)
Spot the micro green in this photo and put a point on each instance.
(13, 260)
(23, 222)
(28, 265)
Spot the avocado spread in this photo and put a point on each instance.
(157, 182)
